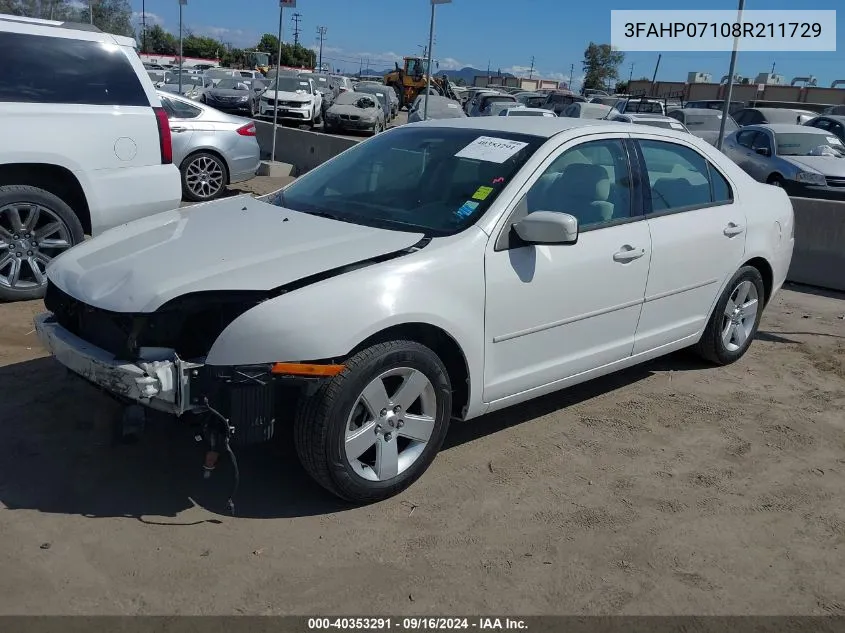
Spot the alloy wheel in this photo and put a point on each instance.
(740, 316)
(391, 422)
(204, 177)
(31, 235)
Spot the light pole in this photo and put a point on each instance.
(729, 94)
(434, 4)
(143, 26)
(321, 31)
(182, 3)
(291, 4)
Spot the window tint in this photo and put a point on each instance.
(822, 124)
(746, 138)
(761, 141)
(179, 109)
(721, 189)
(39, 69)
(678, 176)
(589, 181)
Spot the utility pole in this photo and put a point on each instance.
(282, 5)
(773, 68)
(321, 31)
(630, 76)
(295, 18)
(361, 67)
(571, 74)
(531, 72)
(143, 26)
(726, 106)
(654, 77)
(182, 3)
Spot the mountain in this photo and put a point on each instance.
(468, 73)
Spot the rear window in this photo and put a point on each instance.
(39, 69)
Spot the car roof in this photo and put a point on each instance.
(544, 127)
(74, 30)
(770, 110)
(784, 128)
(700, 111)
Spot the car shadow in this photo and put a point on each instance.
(57, 454)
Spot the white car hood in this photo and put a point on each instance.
(283, 95)
(235, 244)
(827, 165)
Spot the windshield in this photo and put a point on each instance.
(291, 84)
(802, 144)
(195, 80)
(644, 106)
(520, 112)
(433, 180)
(710, 123)
(218, 74)
(231, 83)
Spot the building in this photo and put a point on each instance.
(699, 78)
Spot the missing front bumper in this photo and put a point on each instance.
(161, 381)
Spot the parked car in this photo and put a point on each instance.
(355, 112)
(805, 161)
(483, 103)
(213, 149)
(558, 100)
(216, 74)
(653, 120)
(296, 98)
(523, 111)
(581, 110)
(838, 110)
(380, 92)
(326, 85)
(85, 144)
(762, 116)
(235, 95)
(438, 108)
(344, 84)
(193, 85)
(500, 261)
(606, 101)
(704, 123)
(829, 123)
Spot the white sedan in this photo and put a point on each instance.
(436, 272)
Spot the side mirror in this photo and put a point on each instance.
(763, 151)
(547, 227)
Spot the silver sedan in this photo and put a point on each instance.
(211, 148)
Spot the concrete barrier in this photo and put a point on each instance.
(819, 256)
(303, 149)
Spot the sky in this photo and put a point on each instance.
(503, 34)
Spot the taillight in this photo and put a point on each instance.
(247, 130)
(164, 139)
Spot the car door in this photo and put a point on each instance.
(760, 158)
(738, 148)
(182, 117)
(554, 311)
(698, 239)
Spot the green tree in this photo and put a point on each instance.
(201, 46)
(621, 87)
(113, 16)
(601, 65)
(27, 8)
(160, 42)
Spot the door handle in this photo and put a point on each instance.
(178, 129)
(733, 229)
(628, 254)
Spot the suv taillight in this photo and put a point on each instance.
(164, 140)
(247, 130)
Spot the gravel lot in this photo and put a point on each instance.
(673, 488)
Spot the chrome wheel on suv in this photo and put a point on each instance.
(35, 227)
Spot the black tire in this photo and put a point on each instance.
(399, 93)
(711, 347)
(25, 194)
(320, 421)
(776, 180)
(187, 194)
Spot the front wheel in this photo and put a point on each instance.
(372, 430)
(35, 227)
(735, 319)
(204, 177)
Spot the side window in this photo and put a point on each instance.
(40, 69)
(743, 117)
(678, 176)
(182, 110)
(676, 115)
(746, 138)
(761, 141)
(590, 181)
(755, 118)
(822, 124)
(721, 189)
(839, 130)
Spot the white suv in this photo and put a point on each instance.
(85, 144)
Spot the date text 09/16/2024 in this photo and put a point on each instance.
(417, 624)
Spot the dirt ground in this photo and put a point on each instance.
(672, 488)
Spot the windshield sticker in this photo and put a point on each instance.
(833, 140)
(491, 149)
(481, 193)
(676, 126)
(454, 106)
(467, 208)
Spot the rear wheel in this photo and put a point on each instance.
(35, 227)
(204, 177)
(776, 180)
(373, 429)
(735, 319)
